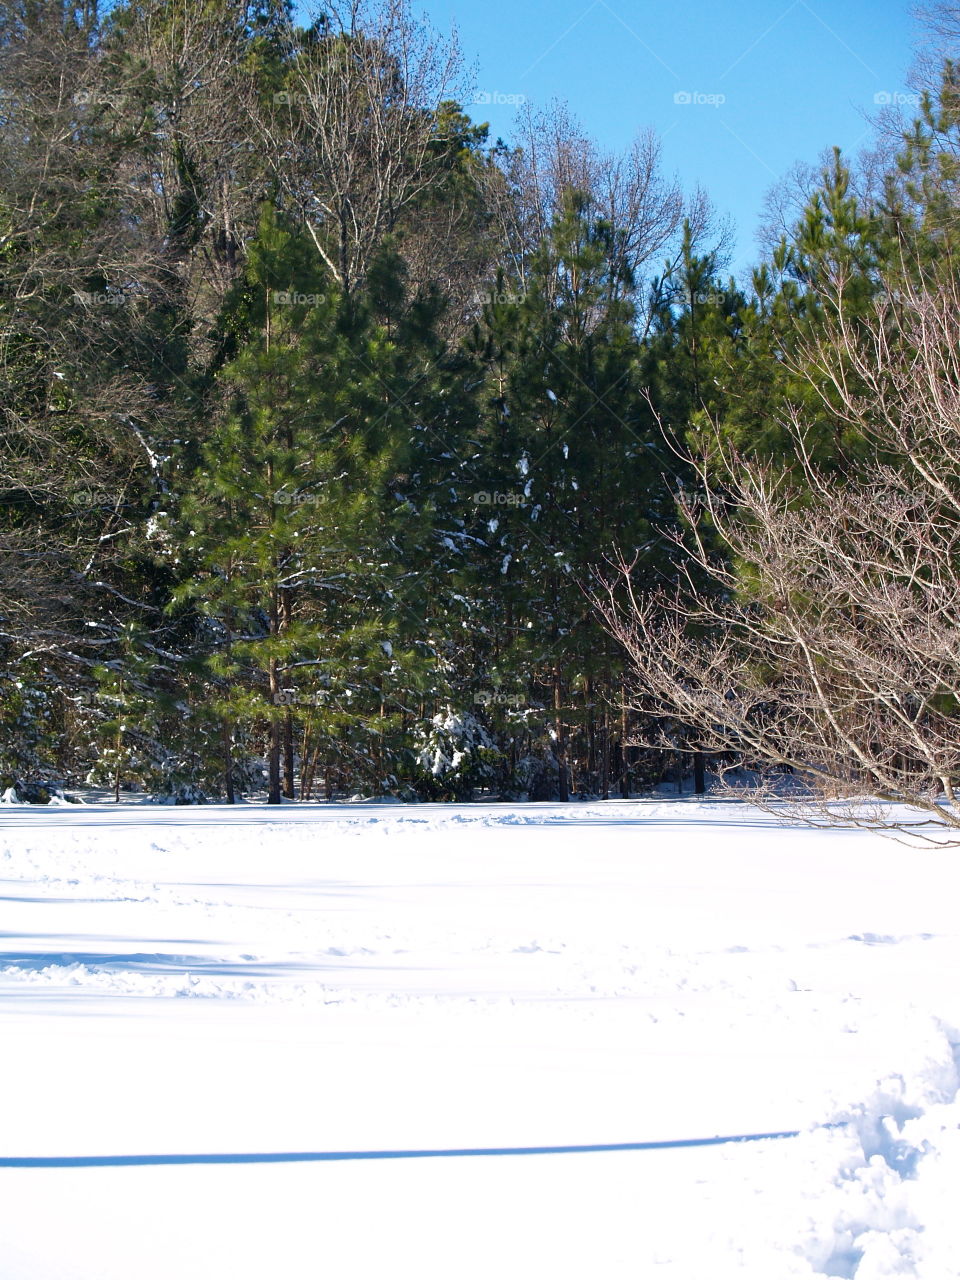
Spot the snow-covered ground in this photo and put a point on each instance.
(213, 982)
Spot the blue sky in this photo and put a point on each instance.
(796, 76)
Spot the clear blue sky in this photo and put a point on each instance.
(797, 76)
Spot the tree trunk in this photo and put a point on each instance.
(563, 785)
(284, 620)
(310, 774)
(592, 753)
(288, 755)
(624, 755)
(224, 725)
(699, 774)
(116, 777)
(227, 762)
(605, 757)
(273, 761)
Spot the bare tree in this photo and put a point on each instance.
(351, 133)
(815, 627)
(630, 191)
(79, 262)
(184, 89)
(938, 23)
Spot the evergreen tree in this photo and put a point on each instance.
(573, 457)
(295, 516)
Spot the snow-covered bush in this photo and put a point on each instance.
(455, 757)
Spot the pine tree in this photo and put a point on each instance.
(296, 518)
(571, 437)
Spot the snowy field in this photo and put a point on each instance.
(219, 983)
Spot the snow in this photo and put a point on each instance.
(224, 982)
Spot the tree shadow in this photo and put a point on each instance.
(317, 1157)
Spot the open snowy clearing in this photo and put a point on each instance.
(212, 983)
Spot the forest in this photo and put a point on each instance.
(348, 450)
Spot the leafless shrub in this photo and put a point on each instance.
(815, 627)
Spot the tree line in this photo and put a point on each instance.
(347, 450)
